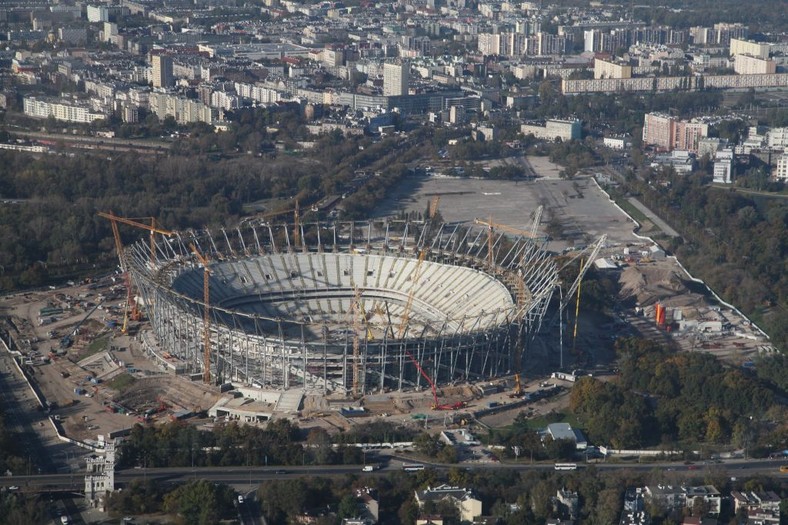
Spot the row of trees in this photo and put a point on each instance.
(673, 399)
(53, 232)
(280, 443)
(177, 444)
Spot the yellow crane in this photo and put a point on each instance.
(409, 304)
(520, 282)
(206, 314)
(434, 206)
(364, 318)
(505, 228)
(356, 344)
(153, 229)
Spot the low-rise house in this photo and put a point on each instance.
(674, 498)
(468, 506)
(568, 503)
(761, 508)
(565, 431)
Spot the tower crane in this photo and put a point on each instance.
(519, 278)
(434, 206)
(206, 314)
(591, 251)
(356, 343)
(153, 229)
(531, 234)
(409, 304)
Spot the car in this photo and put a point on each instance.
(280, 471)
(13, 487)
(240, 499)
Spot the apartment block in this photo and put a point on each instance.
(748, 47)
(781, 169)
(610, 69)
(752, 65)
(564, 130)
(60, 110)
(659, 130)
(396, 78)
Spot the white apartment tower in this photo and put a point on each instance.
(396, 78)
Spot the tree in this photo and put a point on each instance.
(348, 507)
(199, 502)
(427, 444)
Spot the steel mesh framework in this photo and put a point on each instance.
(287, 316)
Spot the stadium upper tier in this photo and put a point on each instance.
(322, 286)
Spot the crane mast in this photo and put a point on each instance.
(206, 314)
(409, 304)
(153, 229)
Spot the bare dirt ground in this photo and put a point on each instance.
(79, 382)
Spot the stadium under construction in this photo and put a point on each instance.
(344, 308)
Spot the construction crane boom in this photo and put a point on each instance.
(150, 227)
(153, 229)
(68, 339)
(409, 304)
(356, 343)
(511, 229)
(206, 373)
(435, 404)
(537, 220)
(434, 206)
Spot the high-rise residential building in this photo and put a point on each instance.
(457, 115)
(658, 130)
(739, 46)
(687, 135)
(161, 71)
(724, 32)
(781, 170)
(396, 78)
(669, 133)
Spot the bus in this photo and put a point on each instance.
(566, 466)
(412, 467)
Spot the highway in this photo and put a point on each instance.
(246, 478)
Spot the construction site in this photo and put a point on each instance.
(331, 323)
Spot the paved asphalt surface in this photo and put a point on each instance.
(244, 477)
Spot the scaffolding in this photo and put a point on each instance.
(284, 316)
